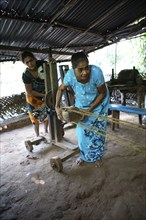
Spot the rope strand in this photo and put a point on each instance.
(114, 120)
(122, 141)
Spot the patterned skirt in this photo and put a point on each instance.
(91, 134)
(37, 109)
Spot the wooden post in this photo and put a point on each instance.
(140, 99)
(68, 93)
(46, 68)
(115, 115)
(58, 129)
(112, 74)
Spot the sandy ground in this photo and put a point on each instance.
(32, 190)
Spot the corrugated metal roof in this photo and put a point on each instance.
(64, 27)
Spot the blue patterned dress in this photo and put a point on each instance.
(91, 144)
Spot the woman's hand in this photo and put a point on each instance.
(59, 113)
(84, 113)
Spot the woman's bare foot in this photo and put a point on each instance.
(79, 161)
(98, 163)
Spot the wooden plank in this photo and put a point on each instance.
(68, 154)
(66, 145)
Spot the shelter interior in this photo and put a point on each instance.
(56, 29)
(60, 28)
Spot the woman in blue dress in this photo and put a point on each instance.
(91, 96)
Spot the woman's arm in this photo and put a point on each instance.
(28, 88)
(99, 98)
(58, 100)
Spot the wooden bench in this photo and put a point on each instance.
(117, 108)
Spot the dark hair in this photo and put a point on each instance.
(26, 54)
(77, 58)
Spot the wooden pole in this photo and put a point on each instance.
(58, 129)
(48, 88)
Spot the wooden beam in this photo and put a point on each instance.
(54, 24)
(141, 27)
(62, 9)
(51, 21)
(34, 50)
(106, 14)
(77, 29)
(17, 18)
(57, 124)
(97, 21)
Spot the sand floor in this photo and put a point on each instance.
(32, 190)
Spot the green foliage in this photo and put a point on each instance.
(124, 55)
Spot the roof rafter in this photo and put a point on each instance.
(43, 51)
(63, 27)
(97, 21)
(54, 24)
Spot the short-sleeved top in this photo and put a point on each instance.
(37, 83)
(86, 93)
